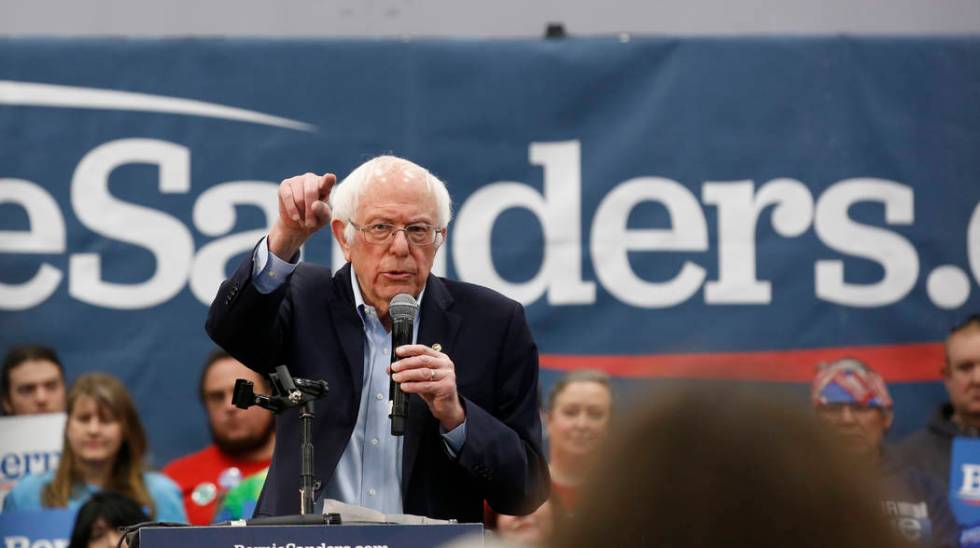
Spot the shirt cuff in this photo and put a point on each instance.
(454, 439)
(268, 271)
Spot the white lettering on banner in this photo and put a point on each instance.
(16, 542)
(559, 210)
(970, 489)
(214, 215)
(612, 240)
(168, 239)
(893, 252)
(24, 542)
(557, 207)
(46, 235)
(739, 207)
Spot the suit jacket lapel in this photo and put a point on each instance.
(438, 325)
(350, 331)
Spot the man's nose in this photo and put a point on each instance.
(227, 406)
(399, 242)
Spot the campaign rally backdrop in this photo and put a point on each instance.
(728, 210)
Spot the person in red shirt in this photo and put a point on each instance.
(243, 440)
(579, 411)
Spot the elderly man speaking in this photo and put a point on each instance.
(472, 430)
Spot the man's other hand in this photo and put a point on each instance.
(432, 375)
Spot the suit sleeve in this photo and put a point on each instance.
(503, 451)
(248, 324)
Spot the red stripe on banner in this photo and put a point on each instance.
(896, 363)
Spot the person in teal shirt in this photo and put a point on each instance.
(104, 449)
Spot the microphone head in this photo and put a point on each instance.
(403, 307)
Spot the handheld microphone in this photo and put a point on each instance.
(402, 310)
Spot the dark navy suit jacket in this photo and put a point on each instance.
(310, 324)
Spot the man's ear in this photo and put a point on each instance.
(7, 408)
(337, 227)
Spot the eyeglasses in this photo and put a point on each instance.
(417, 233)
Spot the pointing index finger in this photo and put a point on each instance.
(326, 185)
(310, 195)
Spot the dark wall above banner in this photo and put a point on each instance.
(721, 209)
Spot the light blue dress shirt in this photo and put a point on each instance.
(369, 471)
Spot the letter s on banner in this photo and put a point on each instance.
(892, 251)
(164, 236)
(46, 235)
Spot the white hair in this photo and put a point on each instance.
(346, 196)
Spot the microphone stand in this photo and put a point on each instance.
(288, 393)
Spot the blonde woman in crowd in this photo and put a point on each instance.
(579, 409)
(104, 449)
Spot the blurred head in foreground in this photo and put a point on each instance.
(712, 468)
(98, 520)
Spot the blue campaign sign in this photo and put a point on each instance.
(30, 528)
(964, 481)
(970, 537)
(665, 208)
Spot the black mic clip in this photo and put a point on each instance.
(288, 392)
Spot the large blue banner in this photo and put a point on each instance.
(726, 209)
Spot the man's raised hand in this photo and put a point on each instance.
(303, 210)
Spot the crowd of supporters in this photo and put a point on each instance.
(700, 467)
